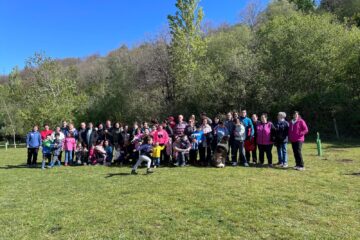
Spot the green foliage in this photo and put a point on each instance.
(304, 5)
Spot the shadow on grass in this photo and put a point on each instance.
(353, 174)
(117, 174)
(15, 166)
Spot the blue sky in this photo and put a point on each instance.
(79, 28)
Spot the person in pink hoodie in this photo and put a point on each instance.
(162, 137)
(69, 147)
(297, 131)
(264, 132)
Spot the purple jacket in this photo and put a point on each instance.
(263, 133)
(297, 131)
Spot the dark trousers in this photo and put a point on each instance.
(205, 155)
(253, 154)
(164, 158)
(238, 146)
(265, 149)
(193, 156)
(296, 146)
(32, 154)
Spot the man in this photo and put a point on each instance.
(91, 135)
(179, 128)
(82, 133)
(101, 132)
(109, 132)
(47, 131)
(33, 142)
(65, 128)
(230, 125)
(249, 128)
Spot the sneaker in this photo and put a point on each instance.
(155, 166)
(246, 165)
(285, 166)
(149, 170)
(296, 167)
(176, 164)
(280, 165)
(270, 166)
(133, 172)
(49, 166)
(234, 164)
(300, 169)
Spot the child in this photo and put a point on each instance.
(156, 154)
(109, 153)
(57, 147)
(46, 150)
(69, 146)
(92, 156)
(119, 156)
(196, 139)
(85, 155)
(78, 153)
(100, 153)
(145, 155)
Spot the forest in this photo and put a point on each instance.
(291, 55)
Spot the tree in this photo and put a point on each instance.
(187, 46)
(304, 5)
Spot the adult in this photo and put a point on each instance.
(238, 144)
(203, 115)
(116, 135)
(205, 147)
(220, 131)
(73, 131)
(264, 133)
(230, 125)
(33, 142)
(64, 128)
(179, 128)
(190, 128)
(297, 131)
(161, 136)
(108, 131)
(101, 132)
(82, 133)
(249, 128)
(252, 141)
(281, 139)
(91, 135)
(47, 131)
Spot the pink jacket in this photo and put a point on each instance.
(161, 136)
(297, 131)
(69, 144)
(263, 133)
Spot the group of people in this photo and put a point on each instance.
(170, 142)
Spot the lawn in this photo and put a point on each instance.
(96, 202)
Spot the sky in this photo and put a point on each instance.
(80, 28)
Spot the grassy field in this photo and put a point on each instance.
(97, 202)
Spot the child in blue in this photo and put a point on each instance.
(196, 139)
(221, 131)
(57, 148)
(145, 155)
(46, 150)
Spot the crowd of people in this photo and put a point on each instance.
(171, 143)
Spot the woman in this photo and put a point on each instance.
(297, 131)
(281, 139)
(205, 147)
(263, 138)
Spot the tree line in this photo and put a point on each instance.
(292, 55)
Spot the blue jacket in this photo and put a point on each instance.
(281, 131)
(199, 136)
(221, 132)
(33, 139)
(248, 126)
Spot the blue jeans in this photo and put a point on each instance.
(156, 161)
(282, 153)
(68, 156)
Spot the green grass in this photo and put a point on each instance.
(322, 202)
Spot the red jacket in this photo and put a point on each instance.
(45, 133)
(297, 131)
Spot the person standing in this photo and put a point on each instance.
(238, 144)
(264, 133)
(252, 141)
(180, 127)
(297, 131)
(281, 139)
(249, 128)
(82, 133)
(33, 142)
(47, 131)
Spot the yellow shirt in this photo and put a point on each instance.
(157, 151)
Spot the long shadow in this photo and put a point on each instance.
(353, 174)
(15, 166)
(117, 174)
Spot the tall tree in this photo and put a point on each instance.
(187, 45)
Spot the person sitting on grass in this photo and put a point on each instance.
(57, 147)
(100, 153)
(182, 148)
(46, 150)
(145, 151)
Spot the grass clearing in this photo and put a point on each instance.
(96, 202)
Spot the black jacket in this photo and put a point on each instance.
(281, 131)
(91, 140)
